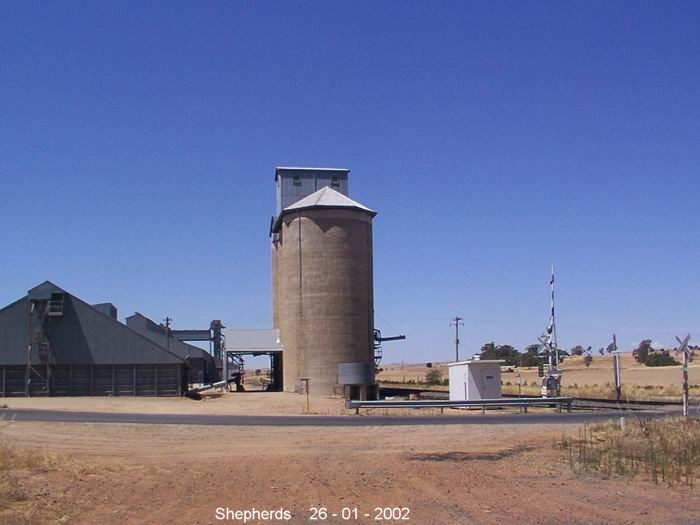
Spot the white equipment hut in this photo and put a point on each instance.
(475, 379)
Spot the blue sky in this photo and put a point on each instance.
(138, 142)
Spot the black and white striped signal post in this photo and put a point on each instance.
(687, 357)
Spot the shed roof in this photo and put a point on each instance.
(43, 291)
(252, 341)
(82, 335)
(156, 333)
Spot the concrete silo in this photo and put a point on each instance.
(323, 303)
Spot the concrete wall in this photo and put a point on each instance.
(323, 294)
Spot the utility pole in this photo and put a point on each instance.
(167, 320)
(457, 322)
(686, 359)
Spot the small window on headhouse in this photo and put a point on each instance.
(297, 180)
(335, 182)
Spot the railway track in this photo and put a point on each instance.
(580, 403)
(613, 404)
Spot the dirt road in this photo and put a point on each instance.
(124, 473)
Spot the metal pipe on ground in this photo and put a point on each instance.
(194, 391)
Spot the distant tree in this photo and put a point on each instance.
(610, 348)
(433, 377)
(641, 353)
(506, 352)
(488, 351)
(532, 349)
(509, 354)
(258, 371)
(660, 358)
(530, 357)
(601, 351)
(563, 354)
(577, 350)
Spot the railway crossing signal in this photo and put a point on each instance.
(687, 356)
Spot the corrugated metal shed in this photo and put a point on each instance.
(203, 366)
(79, 350)
(43, 291)
(82, 335)
(107, 308)
(156, 332)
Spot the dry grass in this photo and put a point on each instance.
(18, 503)
(607, 391)
(639, 382)
(668, 450)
